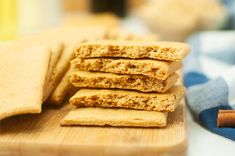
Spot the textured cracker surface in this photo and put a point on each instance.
(171, 51)
(129, 99)
(83, 79)
(23, 75)
(114, 117)
(151, 68)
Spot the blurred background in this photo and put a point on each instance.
(169, 19)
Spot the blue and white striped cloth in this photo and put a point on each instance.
(209, 76)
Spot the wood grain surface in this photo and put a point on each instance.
(41, 134)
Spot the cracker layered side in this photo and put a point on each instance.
(83, 79)
(114, 117)
(170, 51)
(125, 83)
(129, 99)
(151, 68)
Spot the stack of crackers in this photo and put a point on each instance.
(38, 71)
(125, 83)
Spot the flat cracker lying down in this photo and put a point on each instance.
(151, 68)
(129, 99)
(23, 75)
(114, 117)
(171, 51)
(83, 79)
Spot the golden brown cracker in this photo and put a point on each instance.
(129, 99)
(23, 75)
(114, 117)
(84, 79)
(170, 51)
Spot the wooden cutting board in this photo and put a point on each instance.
(41, 135)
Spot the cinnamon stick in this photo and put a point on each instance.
(226, 118)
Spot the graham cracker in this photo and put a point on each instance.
(83, 79)
(71, 37)
(151, 68)
(123, 35)
(63, 89)
(114, 117)
(61, 67)
(56, 51)
(129, 99)
(23, 75)
(170, 51)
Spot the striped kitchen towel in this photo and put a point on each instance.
(209, 76)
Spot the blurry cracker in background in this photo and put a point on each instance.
(107, 20)
(114, 117)
(121, 34)
(118, 34)
(145, 37)
(23, 76)
(181, 17)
